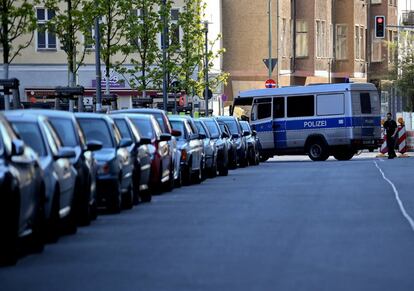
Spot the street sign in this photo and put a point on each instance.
(270, 83)
(273, 63)
(88, 101)
(210, 94)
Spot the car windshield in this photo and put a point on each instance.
(123, 128)
(232, 126)
(212, 127)
(31, 135)
(223, 128)
(178, 125)
(97, 129)
(144, 127)
(201, 128)
(65, 130)
(160, 120)
(245, 126)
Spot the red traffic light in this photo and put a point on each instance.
(380, 26)
(380, 20)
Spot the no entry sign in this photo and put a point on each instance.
(270, 83)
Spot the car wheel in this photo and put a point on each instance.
(169, 185)
(9, 222)
(198, 175)
(145, 196)
(83, 208)
(186, 173)
(179, 181)
(39, 225)
(128, 198)
(344, 154)
(318, 150)
(136, 182)
(115, 201)
(52, 229)
(213, 170)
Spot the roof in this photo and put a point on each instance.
(91, 115)
(310, 89)
(139, 110)
(22, 115)
(49, 113)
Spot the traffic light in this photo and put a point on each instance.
(380, 26)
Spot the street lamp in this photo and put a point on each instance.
(206, 94)
(98, 66)
(164, 56)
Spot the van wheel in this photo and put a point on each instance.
(344, 154)
(318, 150)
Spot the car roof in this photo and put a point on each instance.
(139, 110)
(226, 118)
(49, 112)
(21, 115)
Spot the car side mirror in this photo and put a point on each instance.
(65, 154)
(145, 140)
(17, 147)
(165, 137)
(176, 133)
(246, 133)
(93, 145)
(125, 142)
(254, 133)
(202, 136)
(235, 135)
(224, 135)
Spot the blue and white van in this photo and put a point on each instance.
(319, 120)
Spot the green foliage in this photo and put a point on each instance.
(402, 71)
(17, 19)
(141, 45)
(72, 17)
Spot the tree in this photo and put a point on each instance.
(402, 71)
(17, 19)
(142, 30)
(115, 15)
(72, 17)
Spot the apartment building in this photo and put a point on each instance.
(43, 64)
(315, 41)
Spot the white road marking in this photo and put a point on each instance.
(397, 197)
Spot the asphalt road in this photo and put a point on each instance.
(289, 224)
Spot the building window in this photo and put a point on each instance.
(321, 39)
(376, 51)
(359, 42)
(376, 1)
(301, 38)
(300, 106)
(45, 38)
(175, 27)
(90, 39)
(341, 42)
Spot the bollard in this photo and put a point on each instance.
(384, 147)
(402, 138)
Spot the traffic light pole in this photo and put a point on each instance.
(206, 68)
(270, 38)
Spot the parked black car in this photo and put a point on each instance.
(220, 139)
(238, 138)
(231, 144)
(72, 137)
(253, 143)
(115, 166)
(210, 148)
(140, 154)
(22, 194)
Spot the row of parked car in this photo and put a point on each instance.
(57, 169)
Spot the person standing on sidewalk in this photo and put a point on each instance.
(391, 127)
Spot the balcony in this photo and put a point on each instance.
(408, 17)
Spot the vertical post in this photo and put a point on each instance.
(206, 67)
(175, 102)
(269, 11)
(164, 55)
(98, 72)
(6, 96)
(277, 50)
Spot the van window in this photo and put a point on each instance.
(365, 99)
(299, 106)
(278, 107)
(330, 104)
(261, 111)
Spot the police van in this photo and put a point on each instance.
(318, 120)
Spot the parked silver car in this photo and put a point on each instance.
(115, 166)
(59, 174)
(71, 136)
(22, 194)
(191, 148)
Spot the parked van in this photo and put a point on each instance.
(318, 120)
